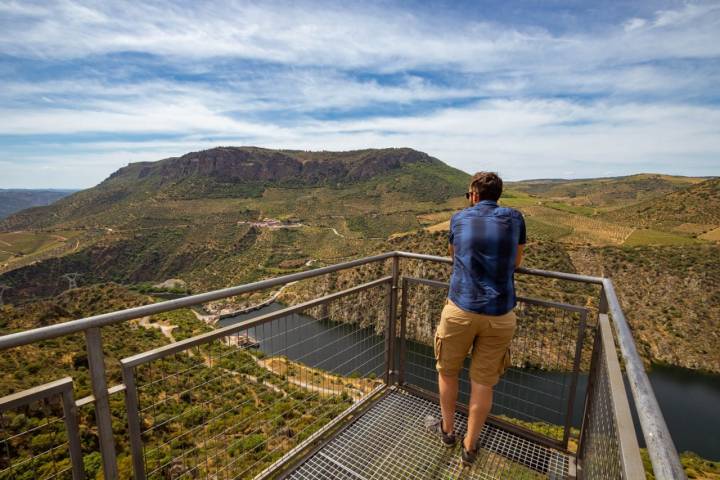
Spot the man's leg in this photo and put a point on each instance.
(481, 397)
(448, 386)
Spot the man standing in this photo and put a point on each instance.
(486, 244)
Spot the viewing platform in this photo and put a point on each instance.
(338, 386)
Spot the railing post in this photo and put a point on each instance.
(403, 331)
(132, 405)
(594, 359)
(390, 323)
(73, 435)
(603, 304)
(96, 361)
(573, 381)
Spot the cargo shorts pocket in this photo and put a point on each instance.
(438, 347)
(506, 361)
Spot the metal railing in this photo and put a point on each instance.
(228, 402)
(607, 450)
(188, 405)
(54, 429)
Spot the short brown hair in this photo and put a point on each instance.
(488, 185)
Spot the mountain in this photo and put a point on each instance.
(693, 210)
(14, 200)
(227, 215)
(254, 175)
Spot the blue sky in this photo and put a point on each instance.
(532, 89)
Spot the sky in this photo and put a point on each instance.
(531, 89)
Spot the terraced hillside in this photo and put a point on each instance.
(597, 193)
(307, 184)
(694, 210)
(232, 215)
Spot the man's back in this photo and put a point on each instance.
(485, 239)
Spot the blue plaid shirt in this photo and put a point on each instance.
(485, 238)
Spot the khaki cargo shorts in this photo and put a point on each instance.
(489, 337)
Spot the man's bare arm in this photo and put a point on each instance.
(451, 251)
(519, 257)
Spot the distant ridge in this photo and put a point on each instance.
(619, 177)
(697, 204)
(607, 191)
(15, 199)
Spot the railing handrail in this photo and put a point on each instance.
(572, 277)
(62, 388)
(74, 326)
(203, 338)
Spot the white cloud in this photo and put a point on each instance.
(521, 139)
(622, 97)
(343, 36)
(634, 24)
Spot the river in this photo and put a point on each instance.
(689, 400)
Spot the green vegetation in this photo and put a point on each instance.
(539, 230)
(226, 406)
(32, 244)
(695, 466)
(646, 236)
(605, 192)
(697, 204)
(579, 209)
(670, 297)
(208, 243)
(517, 199)
(382, 226)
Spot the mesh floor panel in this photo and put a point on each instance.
(390, 441)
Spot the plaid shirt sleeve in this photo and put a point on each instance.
(523, 235)
(451, 235)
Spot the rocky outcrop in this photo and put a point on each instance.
(275, 166)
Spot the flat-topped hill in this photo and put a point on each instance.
(352, 181)
(253, 164)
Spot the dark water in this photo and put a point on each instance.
(689, 401)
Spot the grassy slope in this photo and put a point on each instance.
(670, 296)
(605, 192)
(697, 205)
(159, 236)
(199, 239)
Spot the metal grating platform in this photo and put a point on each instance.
(390, 442)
